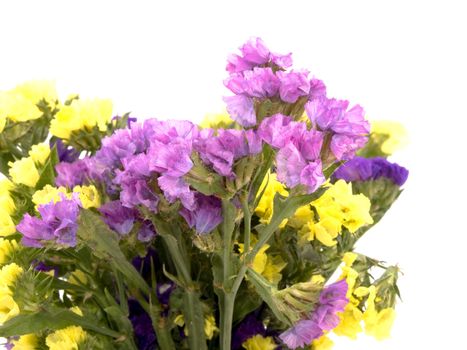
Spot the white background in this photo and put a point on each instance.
(401, 60)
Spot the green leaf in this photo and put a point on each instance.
(51, 319)
(47, 176)
(103, 242)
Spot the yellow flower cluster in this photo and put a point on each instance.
(24, 171)
(8, 277)
(216, 121)
(20, 103)
(26, 342)
(7, 248)
(322, 343)
(268, 266)
(68, 338)
(88, 195)
(7, 208)
(81, 114)
(338, 207)
(258, 342)
(265, 207)
(210, 327)
(377, 323)
(395, 132)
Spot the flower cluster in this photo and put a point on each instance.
(118, 233)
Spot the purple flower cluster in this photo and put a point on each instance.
(298, 159)
(348, 128)
(365, 169)
(259, 74)
(250, 326)
(58, 223)
(324, 318)
(222, 150)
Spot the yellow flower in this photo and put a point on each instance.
(265, 206)
(49, 194)
(7, 226)
(322, 343)
(66, 339)
(7, 203)
(350, 320)
(7, 247)
(81, 114)
(395, 132)
(26, 342)
(217, 121)
(377, 324)
(39, 153)
(8, 276)
(20, 103)
(78, 277)
(209, 325)
(258, 342)
(88, 195)
(24, 171)
(324, 231)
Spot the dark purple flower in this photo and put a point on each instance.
(65, 153)
(146, 232)
(206, 216)
(249, 327)
(58, 224)
(118, 217)
(142, 326)
(365, 169)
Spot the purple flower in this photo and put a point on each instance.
(142, 326)
(119, 218)
(206, 216)
(222, 150)
(293, 85)
(71, 174)
(278, 130)
(250, 326)
(344, 147)
(317, 89)
(365, 169)
(65, 153)
(259, 82)
(146, 232)
(241, 109)
(324, 318)
(255, 53)
(58, 224)
(171, 159)
(176, 188)
(302, 334)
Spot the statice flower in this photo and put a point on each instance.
(250, 326)
(118, 217)
(241, 109)
(293, 85)
(255, 53)
(324, 318)
(365, 169)
(207, 215)
(298, 159)
(65, 153)
(71, 174)
(348, 127)
(222, 150)
(58, 224)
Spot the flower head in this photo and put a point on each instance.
(207, 214)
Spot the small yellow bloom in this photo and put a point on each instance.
(49, 194)
(20, 103)
(7, 226)
(7, 203)
(39, 153)
(217, 121)
(322, 343)
(78, 277)
(26, 342)
(81, 114)
(258, 342)
(88, 195)
(24, 171)
(66, 339)
(265, 206)
(210, 327)
(379, 324)
(8, 276)
(396, 135)
(350, 320)
(7, 248)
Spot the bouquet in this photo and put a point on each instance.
(235, 234)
